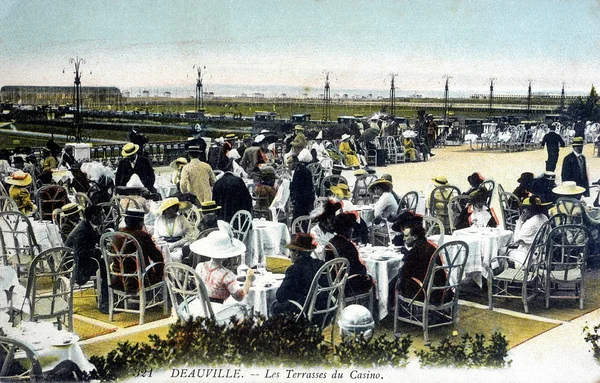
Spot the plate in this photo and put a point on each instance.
(66, 340)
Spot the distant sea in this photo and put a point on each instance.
(272, 91)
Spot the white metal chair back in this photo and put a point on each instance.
(111, 216)
(241, 223)
(300, 223)
(120, 251)
(438, 203)
(49, 287)
(490, 187)
(326, 294)
(17, 240)
(433, 226)
(330, 181)
(566, 254)
(12, 348)
(408, 202)
(187, 289)
(8, 204)
(456, 206)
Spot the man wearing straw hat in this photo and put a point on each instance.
(71, 215)
(197, 177)
(574, 166)
(132, 163)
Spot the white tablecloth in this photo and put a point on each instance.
(62, 176)
(164, 186)
(46, 234)
(383, 264)
(51, 345)
(266, 238)
(366, 212)
(484, 244)
(261, 294)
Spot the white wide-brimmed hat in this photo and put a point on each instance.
(218, 245)
(568, 188)
(345, 137)
(305, 156)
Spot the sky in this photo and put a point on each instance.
(258, 45)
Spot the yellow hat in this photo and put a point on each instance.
(360, 172)
(207, 206)
(384, 184)
(341, 191)
(18, 178)
(577, 141)
(440, 180)
(180, 161)
(71, 208)
(129, 149)
(170, 202)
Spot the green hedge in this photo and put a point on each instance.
(283, 341)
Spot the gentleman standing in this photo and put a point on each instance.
(132, 163)
(197, 177)
(574, 166)
(231, 193)
(552, 140)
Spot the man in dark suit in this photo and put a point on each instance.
(84, 241)
(298, 277)
(133, 163)
(574, 166)
(231, 193)
(552, 141)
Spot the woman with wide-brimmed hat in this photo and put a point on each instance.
(172, 227)
(298, 277)
(343, 225)
(386, 205)
(220, 282)
(323, 230)
(19, 182)
(533, 217)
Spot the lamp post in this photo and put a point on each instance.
(529, 100)
(491, 94)
(199, 87)
(562, 98)
(446, 99)
(77, 61)
(393, 95)
(326, 98)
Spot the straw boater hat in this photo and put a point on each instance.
(533, 201)
(194, 148)
(568, 188)
(551, 176)
(207, 206)
(247, 137)
(440, 180)
(299, 128)
(578, 141)
(170, 202)
(129, 149)
(380, 183)
(302, 242)
(18, 178)
(178, 162)
(360, 172)
(230, 137)
(70, 209)
(134, 212)
(345, 137)
(341, 191)
(218, 245)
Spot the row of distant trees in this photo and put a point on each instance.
(585, 109)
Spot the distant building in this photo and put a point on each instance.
(60, 95)
(264, 116)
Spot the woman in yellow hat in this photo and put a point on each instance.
(533, 217)
(172, 227)
(19, 181)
